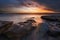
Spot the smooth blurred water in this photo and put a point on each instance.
(38, 34)
(20, 17)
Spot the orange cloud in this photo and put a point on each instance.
(29, 7)
(33, 7)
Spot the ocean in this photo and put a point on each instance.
(40, 33)
(16, 17)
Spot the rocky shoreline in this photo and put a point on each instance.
(51, 18)
(15, 31)
(26, 31)
(54, 25)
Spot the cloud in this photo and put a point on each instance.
(50, 4)
(53, 4)
(6, 3)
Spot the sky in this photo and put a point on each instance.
(29, 6)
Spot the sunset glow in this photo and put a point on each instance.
(33, 7)
(34, 10)
(29, 7)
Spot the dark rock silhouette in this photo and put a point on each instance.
(54, 29)
(25, 31)
(18, 31)
(51, 18)
(4, 25)
(54, 25)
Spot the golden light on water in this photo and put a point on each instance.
(35, 17)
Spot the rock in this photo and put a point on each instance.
(53, 29)
(54, 25)
(4, 37)
(4, 25)
(19, 30)
(54, 34)
(51, 18)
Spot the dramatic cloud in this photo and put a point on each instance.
(33, 6)
(53, 4)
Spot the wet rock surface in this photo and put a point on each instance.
(51, 18)
(53, 26)
(4, 25)
(54, 29)
(17, 31)
(25, 31)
